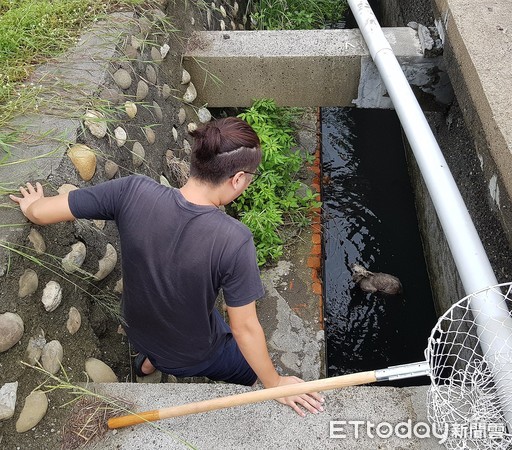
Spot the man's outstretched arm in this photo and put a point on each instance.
(42, 210)
(250, 338)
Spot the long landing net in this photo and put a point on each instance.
(470, 357)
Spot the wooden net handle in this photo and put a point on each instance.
(325, 384)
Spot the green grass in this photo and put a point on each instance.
(31, 32)
(296, 14)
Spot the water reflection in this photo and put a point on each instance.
(369, 218)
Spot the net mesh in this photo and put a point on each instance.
(470, 357)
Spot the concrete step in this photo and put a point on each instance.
(269, 425)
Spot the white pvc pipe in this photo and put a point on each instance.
(468, 253)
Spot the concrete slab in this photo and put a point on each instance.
(268, 425)
(298, 68)
(295, 342)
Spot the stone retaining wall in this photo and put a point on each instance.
(117, 103)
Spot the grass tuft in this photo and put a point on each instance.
(31, 33)
(91, 411)
(107, 300)
(277, 195)
(296, 14)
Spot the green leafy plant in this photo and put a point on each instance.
(296, 14)
(276, 195)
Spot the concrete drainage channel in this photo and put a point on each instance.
(369, 218)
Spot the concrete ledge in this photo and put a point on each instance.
(267, 425)
(478, 45)
(296, 68)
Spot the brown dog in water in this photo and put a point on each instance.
(375, 282)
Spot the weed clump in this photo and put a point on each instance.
(296, 14)
(31, 32)
(276, 197)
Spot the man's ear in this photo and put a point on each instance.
(238, 180)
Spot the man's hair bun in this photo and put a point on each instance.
(207, 142)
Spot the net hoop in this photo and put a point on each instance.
(469, 353)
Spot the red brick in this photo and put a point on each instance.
(316, 238)
(316, 250)
(316, 227)
(315, 169)
(317, 288)
(314, 262)
(314, 276)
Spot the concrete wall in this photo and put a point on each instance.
(445, 282)
(472, 142)
(302, 68)
(398, 13)
(477, 49)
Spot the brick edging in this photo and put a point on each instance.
(315, 257)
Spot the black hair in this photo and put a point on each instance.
(222, 148)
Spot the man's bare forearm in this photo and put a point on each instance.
(42, 210)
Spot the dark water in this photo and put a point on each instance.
(369, 218)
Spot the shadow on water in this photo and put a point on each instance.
(369, 218)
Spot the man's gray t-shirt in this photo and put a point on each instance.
(175, 257)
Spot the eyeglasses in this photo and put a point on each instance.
(254, 174)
